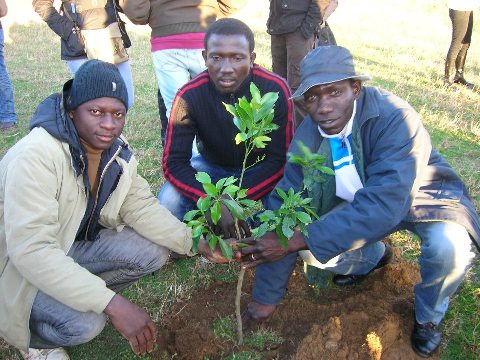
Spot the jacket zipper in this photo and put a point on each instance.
(99, 186)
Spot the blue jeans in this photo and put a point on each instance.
(7, 107)
(446, 253)
(177, 203)
(124, 68)
(119, 258)
(174, 68)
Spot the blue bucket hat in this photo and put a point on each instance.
(325, 65)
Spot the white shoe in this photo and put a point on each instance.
(45, 354)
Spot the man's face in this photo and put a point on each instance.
(99, 121)
(228, 60)
(331, 105)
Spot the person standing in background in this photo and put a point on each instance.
(88, 15)
(461, 15)
(8, 117)
(178, 32)
(292, 25)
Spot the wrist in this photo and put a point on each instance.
(297, 242)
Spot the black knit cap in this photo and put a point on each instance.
(96, 79)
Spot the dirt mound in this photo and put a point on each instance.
(371, 321)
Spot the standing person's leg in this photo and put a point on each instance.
(459, 21)
(462, 54)
(195, 62)
(73, 65)
(162, 112)
(126, 72)
(446, 253)
(119, 258)
(171, 72)
(8, 117)
(278, 47)
(297, 47)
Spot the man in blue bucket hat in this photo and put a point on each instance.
(387, 178)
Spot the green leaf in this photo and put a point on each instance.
(210, 189)
(230, 180)
(327, 170)
(216, 212)
(230, 190)
(303, 217)
(195, 244)
(255, 93)
(242, 193)
(203, 203)
(248, 203)
(235, 208)
(189, 216)
(260, 141)
(225, 248)
(281, 193)
(203, 178)
(197, 231)
(212, 242)
(266, 215)
(261, 230)
(240, 137)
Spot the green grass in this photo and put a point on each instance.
(401, 43)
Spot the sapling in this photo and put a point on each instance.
(254, 120)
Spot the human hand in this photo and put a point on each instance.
(256, 314)
(216, 255)
(133, 323)
(268, 248)
(226, 225)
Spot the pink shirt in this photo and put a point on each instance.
(178, 41)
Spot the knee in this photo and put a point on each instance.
(449, 252)
(146, 256)
(87, 327)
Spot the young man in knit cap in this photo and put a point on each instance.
(387, 178)
(78, 224)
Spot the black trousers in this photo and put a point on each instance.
(462, 26)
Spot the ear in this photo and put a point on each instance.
(71, 113)
(204, 54)
(253, 56)
(356, 88)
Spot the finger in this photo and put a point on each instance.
(252, 264)
(246, 229)
(153, 330)
(247, 250)
(134, 344)
(149, 340)
(142, 343)
(249, 241)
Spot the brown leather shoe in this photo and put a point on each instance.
(352, 279)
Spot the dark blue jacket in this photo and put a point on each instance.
(404, 179)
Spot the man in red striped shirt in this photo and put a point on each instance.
(198, 112)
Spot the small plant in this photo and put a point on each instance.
(254, 120)
(312, 166)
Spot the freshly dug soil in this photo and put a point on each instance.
(371, 321)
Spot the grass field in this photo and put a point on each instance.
(402, 44)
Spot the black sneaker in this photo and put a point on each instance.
(344, 280)
(426, 339)
(461, 81)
